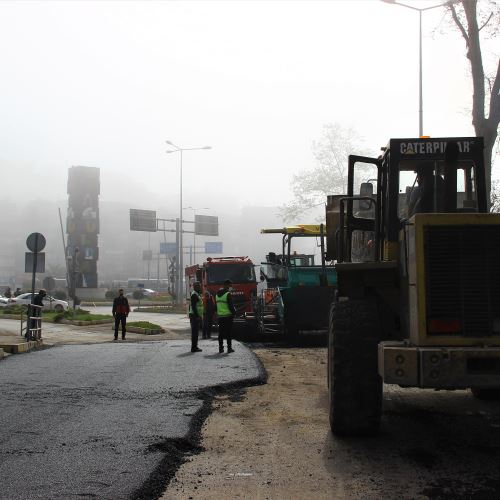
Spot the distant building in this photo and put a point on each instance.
(82, 225)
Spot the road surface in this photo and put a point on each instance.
(105, 420)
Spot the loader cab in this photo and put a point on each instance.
(412, 176)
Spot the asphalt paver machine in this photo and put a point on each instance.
(418, 272)
(299, 292)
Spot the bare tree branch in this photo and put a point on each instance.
(494, 111)
(459, 23)
(311, 187)
(486, 22)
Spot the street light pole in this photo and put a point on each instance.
(420, 98)
(181, 249)
(180, 270)
(420, 93)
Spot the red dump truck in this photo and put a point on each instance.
(214, 271)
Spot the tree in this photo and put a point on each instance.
(495, 197)
(486, 88)
(56, 270)
(311, 187)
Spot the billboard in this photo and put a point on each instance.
(213, 246)
(168, 248)
(206, 225)
(143, 220)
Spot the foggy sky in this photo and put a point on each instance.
(104, 84)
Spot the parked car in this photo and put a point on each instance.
(4, 302)
(48, 302)
(146, 292)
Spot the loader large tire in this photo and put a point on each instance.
(355, 386)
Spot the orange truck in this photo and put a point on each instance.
(215, 270)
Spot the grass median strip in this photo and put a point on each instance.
(57, 316)
(146, 325)
(77, 315)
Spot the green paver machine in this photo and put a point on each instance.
(299, 293)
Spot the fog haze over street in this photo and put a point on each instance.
(105, 84)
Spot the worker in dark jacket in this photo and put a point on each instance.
(121, 310)
(225, 315)
(35, 314)
(208, 314)
(195, 315)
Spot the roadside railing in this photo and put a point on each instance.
(31, 326)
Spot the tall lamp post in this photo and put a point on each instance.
(420, 98)
(194, 233)
(180, 150)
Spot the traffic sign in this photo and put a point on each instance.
(29, 262)
(143, 220)
(168, 248)
(213, 246)
(206, 225)
(35, 242)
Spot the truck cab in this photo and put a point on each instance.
(214, 271)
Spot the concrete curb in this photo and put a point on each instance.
(20, 347)
(84, 323)
(109, 303)
(144, 331)
(64, 321)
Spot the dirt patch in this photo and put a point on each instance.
(272, 441)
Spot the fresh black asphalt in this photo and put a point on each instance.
(100, 421)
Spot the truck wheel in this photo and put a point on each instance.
(486, 394)
(355, 386)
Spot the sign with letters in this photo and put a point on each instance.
(143, 220)
(206, 225)
(213, 247)
(168, 248)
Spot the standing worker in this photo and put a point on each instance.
(120, 313)
(225, 314)
(35, 314)
(208, 314)
(195, 315)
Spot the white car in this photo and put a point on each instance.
(48, 302)
(4, 302)
(146, 292)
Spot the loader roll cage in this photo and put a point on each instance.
(444, 156)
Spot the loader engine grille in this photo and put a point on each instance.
(463, 278)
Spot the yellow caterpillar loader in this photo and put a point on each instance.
(418, 270)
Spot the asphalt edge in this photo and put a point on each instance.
(177, 451)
